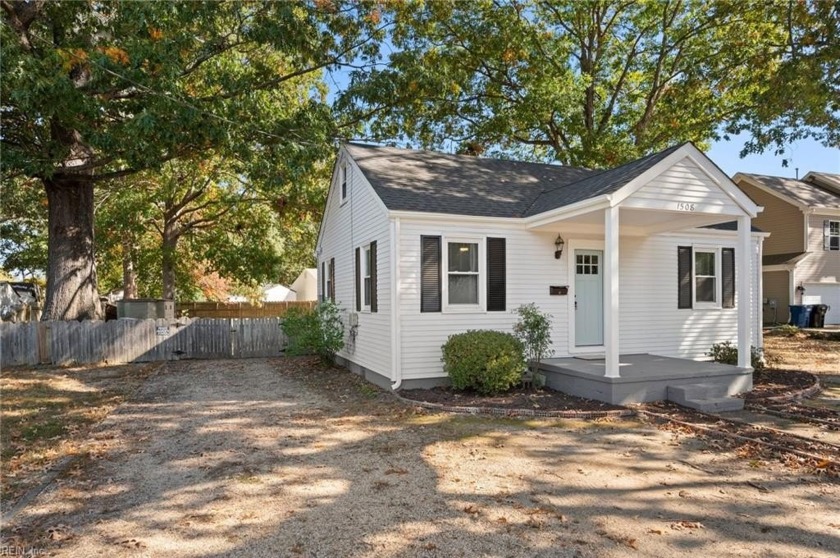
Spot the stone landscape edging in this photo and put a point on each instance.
(804, 393)
(503, 412)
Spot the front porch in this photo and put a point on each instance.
(643, 377)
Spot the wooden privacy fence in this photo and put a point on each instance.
(237, 309)
(130, 340)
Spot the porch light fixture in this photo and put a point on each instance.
(558, 245)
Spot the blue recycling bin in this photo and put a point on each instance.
(800, 314)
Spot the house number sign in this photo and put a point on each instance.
(682, 206)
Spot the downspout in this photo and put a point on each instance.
(396, 330)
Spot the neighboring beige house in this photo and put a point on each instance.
(306, 285)
(801, 262)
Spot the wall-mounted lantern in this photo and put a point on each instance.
(558, 247)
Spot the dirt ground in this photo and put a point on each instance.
(814, 351)
(279, 458)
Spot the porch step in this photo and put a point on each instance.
(708, 398)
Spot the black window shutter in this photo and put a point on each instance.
(332, 279)
(496, 275)
(728, 271)
(686, 290)
(373, 302)
(430, 274)
(358, 281)
(323, 281)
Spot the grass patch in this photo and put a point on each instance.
(47, 413)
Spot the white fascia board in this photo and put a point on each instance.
(827, 211)
(567, 212)
(753, 182)
(712, 233)
(450, 218)
(341, 153)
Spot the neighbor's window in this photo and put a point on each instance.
(462, 273)
(705, 277)
(366, 267)
(832, 236)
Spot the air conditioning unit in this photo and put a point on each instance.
(353, 319)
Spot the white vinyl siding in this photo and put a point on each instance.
(820, 265)
(683, 183)
(650, 320)
(360, 220)
(531, 270)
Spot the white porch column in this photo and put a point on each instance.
(743, 274)
(611, 292)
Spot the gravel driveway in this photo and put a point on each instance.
(273, 458)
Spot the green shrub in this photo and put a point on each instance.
(727, 353)
(534, 330)
(483, 360)
(319, 331)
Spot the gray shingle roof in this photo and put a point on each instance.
(599, 184)
(433, 182)
(801, 192)
(411, 180)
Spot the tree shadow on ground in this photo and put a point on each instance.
(227, 458)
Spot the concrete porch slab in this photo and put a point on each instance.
(644, 377)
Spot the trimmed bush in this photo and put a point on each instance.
(483, 360)
(319, 331)
(727, 353)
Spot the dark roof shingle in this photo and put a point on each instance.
(412, 180)
(599, 184)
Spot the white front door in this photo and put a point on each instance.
(589, 298)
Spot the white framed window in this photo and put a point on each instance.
(463, 267)
(706, 277)
(367, 265)
(832, 235)
(343, 171)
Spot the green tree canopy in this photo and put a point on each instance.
(94, 91)
(589, 83)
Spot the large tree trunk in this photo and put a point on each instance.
(129, 273)
(71, 273)
(170, 244)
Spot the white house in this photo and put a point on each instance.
(305, 286)
(278, 293)
(653, 259)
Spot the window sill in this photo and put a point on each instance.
(466, 309)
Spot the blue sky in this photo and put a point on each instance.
(808, 155)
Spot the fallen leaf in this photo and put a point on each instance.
(471, 508)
